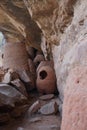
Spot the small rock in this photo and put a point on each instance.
(34, 108)
(19, 86)
(47, 97)
(7, 78)
(50, 108)
(20, 128)
(35, 119)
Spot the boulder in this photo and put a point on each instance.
(74, 115)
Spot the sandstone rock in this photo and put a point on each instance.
(47, 97)
(48, 109)
(74, 115)
(19, 86)
(72, 48)
(34, 108)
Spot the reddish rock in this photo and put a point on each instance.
(47, 97)
(75, 100)
(46, 80)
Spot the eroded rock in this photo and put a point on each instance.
(74, 115)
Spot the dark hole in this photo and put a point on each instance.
(43, 74)
(77, 81)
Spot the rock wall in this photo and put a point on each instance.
(64, 28)
(75, 100)
(72, 50)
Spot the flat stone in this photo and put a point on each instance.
(49, 108)
(35, 119)
(34, 108)
(47, 97)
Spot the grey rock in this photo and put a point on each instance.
(47, 97)
(49, 108)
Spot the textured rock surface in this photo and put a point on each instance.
(75, 100)
(72, 50)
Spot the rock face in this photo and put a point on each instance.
(75, 100)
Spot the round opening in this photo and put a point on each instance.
(43, 74)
